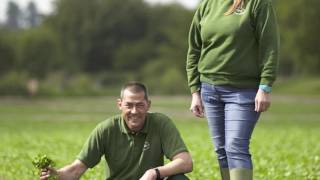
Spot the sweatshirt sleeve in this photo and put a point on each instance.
(268, 38)
(194, 52)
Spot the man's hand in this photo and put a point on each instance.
(48, 172)
(180, 163)
(149, 175)
(72, 171)
(262, 101)
(196, 105)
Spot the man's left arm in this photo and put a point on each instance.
(174, 149)
(181, 163)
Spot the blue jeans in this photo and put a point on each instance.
(231, 119)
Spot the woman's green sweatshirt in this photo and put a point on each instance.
(240, 49)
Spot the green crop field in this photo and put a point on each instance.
(285, 143)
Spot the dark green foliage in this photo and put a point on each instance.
(118, 38)
(40, 52)
(112, 41)
(7, 54)
(299, 25)
(13, 83)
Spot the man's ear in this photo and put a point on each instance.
(119, 102)
(149, 104)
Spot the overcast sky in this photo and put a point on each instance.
(44, 6)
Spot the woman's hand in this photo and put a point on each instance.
(262, 101)
(196, 105)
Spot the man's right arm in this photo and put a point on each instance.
(72, 171)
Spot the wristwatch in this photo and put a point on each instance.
(265, 88)
(158, 174)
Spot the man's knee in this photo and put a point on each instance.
(178, 177)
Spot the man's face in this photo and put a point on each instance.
(134, 108)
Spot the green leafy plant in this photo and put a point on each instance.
(42, 162)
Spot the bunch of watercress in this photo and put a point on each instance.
(42, 162)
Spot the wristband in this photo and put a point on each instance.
(158, 173)
(265, 88)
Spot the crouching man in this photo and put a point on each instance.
(133, 144)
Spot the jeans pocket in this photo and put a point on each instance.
(247, 96)
(208, 93)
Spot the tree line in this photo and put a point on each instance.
(91, 47)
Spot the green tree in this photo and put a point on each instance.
(118, 30)
(13, 20)
(39, 52)
(32, 15)
(73, 22)
(7, 54)
(91, 31)
(309, 59)
(298, 21)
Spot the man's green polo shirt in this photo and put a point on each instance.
(129, 155)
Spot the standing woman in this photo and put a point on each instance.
(231, 66)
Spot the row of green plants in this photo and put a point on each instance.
(82, 84)
(108, 84)
(284, 144)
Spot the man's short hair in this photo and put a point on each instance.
(134, 87)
